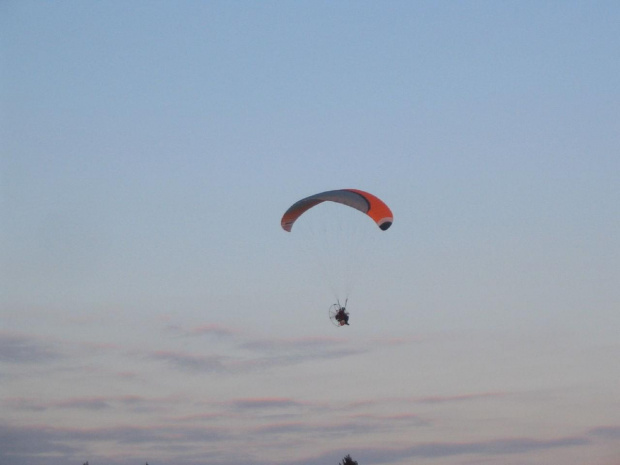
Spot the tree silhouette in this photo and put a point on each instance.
(348, 461)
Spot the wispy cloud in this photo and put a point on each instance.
(485, 448)
(135, 403)
(304, 343)
(84, 404)
(199, 417)
(24, 444)
(33, 440)
(606, 432)
(303, 429)
(191, 362)
(259, 354)
(30, 441)
(459, 398)
(266, 403)
(496, 447)
(211, 330)
(396, 419)
(19, 349)
(444, 399)
(206, 330)
(273, 352)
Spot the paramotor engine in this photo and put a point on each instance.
(338, 314)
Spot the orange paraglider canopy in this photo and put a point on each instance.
(365, 202)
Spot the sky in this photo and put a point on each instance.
(153, 310)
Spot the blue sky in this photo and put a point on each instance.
(154, 310)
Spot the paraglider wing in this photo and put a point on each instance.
(367, 203)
